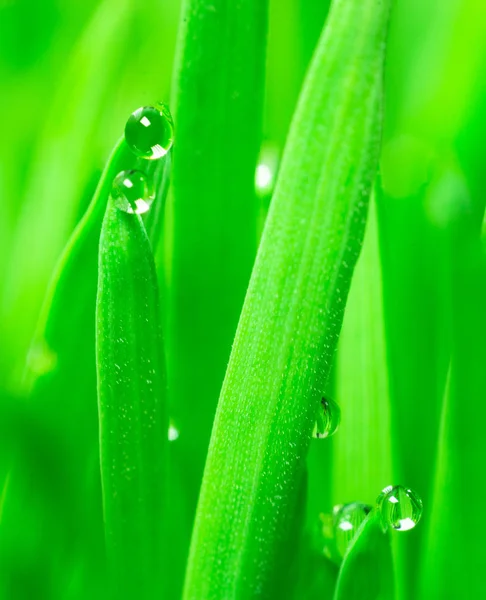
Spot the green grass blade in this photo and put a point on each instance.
(367, 569)
(61, 364)
(362, 447)
(132, 406)
(218, 103)
(454, 555)
(292, 314)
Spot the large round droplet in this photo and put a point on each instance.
(347, 519)
(133, 192)
(327, 420)
(401, 508)
(150, 131)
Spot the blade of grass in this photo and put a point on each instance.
(361, 448)
(367, 569)
(292, 314)
(62, 365)
(430, 103)
(132, 407)
(454, 554)
(218, 98)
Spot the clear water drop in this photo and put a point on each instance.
(149, 131)
(327, 420)
(347, 519)
(401, 508)
(133, 191)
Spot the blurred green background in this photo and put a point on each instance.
(410, 372)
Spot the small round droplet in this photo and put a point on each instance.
(401, 508)
(150, 131)
(133, 192)
(327, 420)
(347, 519)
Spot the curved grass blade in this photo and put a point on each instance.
(60, 365)
(132, 407)
(362, 461)
(292, 314)
(367, 569)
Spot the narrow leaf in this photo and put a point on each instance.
(367, 569)
(218, 104)
(132, 407)
(292, 315)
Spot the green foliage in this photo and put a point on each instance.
(132, 394)
(367, 569)
(407, 370)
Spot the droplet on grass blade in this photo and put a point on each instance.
(327, 420)
(173, 432)
(133, 192)
(401, 508)
(347, 519)
(150, 131)
(266, 170)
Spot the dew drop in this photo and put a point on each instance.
(328, 419)
(173, 432)
(347, 519)
(150, 131)
(401, 508)
(133, 192)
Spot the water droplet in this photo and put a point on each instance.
(328, 419)
(266, 171)
(401, 508)
(150, 131)
(173, 433)
(133, 192)
(347, 519)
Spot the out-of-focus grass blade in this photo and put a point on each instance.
(431, 106)
(61, 166)
(132, 407)
(454, 554)
(361, 447)
(367, 569)
(218, 103)
(292, 315)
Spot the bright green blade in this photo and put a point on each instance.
(132, 406)
(292, 315)
(367, 569)
(362, 446)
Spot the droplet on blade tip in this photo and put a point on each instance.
(347, 520)
(133, 192)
